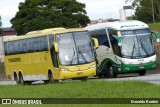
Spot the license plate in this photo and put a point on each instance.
(141, 67)
(79, 73)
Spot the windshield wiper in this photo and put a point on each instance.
(133, 50)
(72, 56)
(82, 55)
(144, 48)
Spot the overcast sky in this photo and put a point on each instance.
(96, 9)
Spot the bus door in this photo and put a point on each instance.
(54, 65)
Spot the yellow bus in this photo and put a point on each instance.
(50, 55)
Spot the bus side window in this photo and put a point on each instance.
(51, 40)
(6, 48)
(44, 45)
(116, 48)
(101, 36)
(10, 48)
(17, 47)
(30, 45)
(36, 44)
(23, 46)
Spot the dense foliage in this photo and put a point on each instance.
(144, 11)
(41, 14)
(0, 26)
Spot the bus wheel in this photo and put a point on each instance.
(100, 75)
(29, 82)
(15, 78)
(50, 76)
(110, 72)
(21, 81)
(142, 73)
(84, 79)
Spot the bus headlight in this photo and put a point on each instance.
(153, 59)
(64, 69)
(125, 62)
(92, 66)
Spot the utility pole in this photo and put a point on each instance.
(153, 11)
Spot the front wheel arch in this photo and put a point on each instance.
(110, 70)
(21, 80)
(50, 76)
(15, 77)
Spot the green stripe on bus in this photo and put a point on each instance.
(131, 68)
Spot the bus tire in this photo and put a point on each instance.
(50, 77)
(21, 81)
(83, 79)
(28, 82)
(142, 73)
(110, 72)
(100, 75)
(15, 77)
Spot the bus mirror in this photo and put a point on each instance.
(55, 46)
(118, 40)
(95, 43)
(119, 44)
(157, 36)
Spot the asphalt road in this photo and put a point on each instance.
(151, 76)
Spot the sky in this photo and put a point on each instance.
(96, 9)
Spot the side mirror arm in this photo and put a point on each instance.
(118, 40)
(96, 44)
(55, 46)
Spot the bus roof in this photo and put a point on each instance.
(43, 33)
(119, 25)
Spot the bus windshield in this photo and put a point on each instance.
(137, 44)
(75, 48)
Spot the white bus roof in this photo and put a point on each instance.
(119, 25)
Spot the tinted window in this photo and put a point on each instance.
(23, 46)
(115, 47)
(44, 45)
(37, 44)
(51, 40)
(10, 48)
(26, 45)
(17, 47)
(30, 45)
(6, 48)
(101, 36)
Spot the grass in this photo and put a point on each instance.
(90, 89)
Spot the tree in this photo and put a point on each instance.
(146, 10)
(1, 31)
(42, 14)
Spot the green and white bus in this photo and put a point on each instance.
(124, 47)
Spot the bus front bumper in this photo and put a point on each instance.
(77, 74)
(131, 68)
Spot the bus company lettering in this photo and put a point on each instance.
(14, 60)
